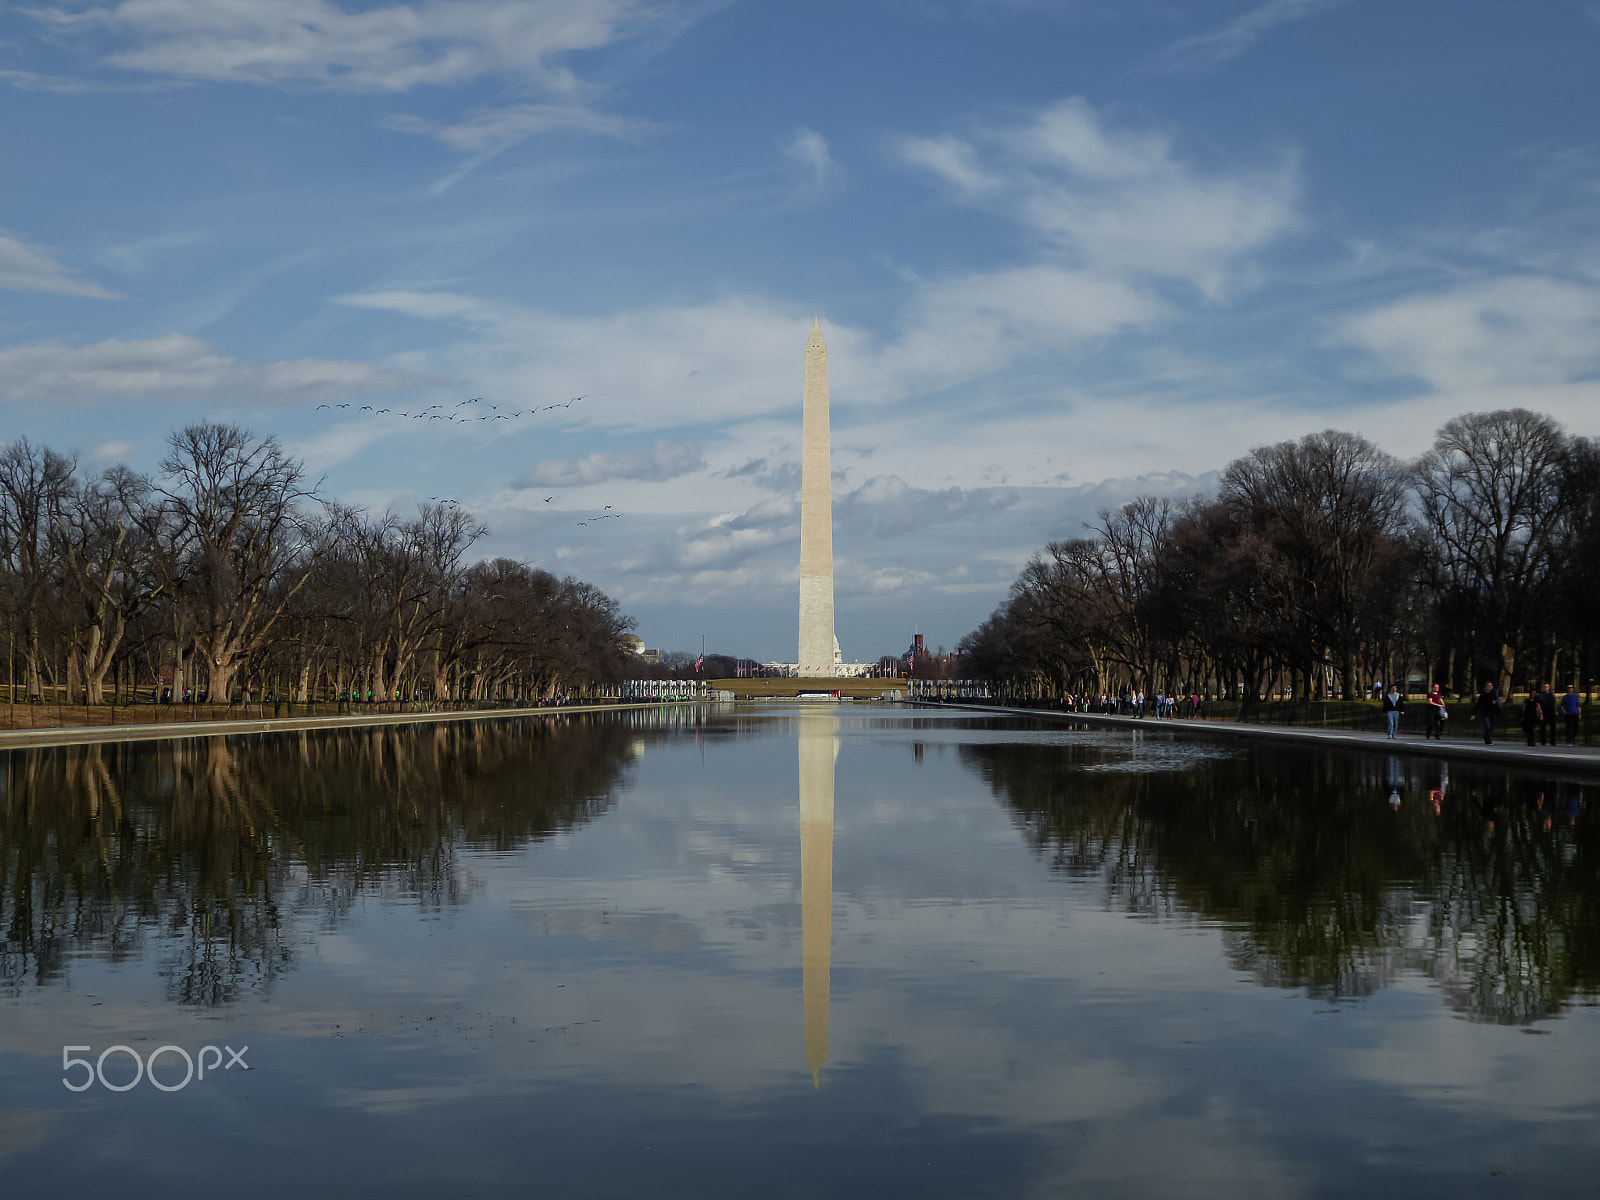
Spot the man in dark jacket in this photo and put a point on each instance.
(1532, 722)
(1487, 707)
(1393, 706)
(1547, 716)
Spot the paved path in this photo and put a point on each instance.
(88, 735)
(1510, 751)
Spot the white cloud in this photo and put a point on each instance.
(1116, 211)
(1526, 335)
(29, 268)
(1221, 45)
(959, 329)
(737, 358)
(818, 175)
(319, 44)
(886, 506)
(642, 369)
(1117, 203)
(721, 542)
(110, 451)
(179, 369)
(662, 461)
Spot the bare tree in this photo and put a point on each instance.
(108, 574)
(1492, 500)
(239, 542)
(35, 484)
(1334, 507)
(1133, 539)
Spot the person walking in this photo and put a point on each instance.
(1547, 716)
(1488, 708)
(1436, 713)
(1531, 717)
(1569, 714)
(1393, 706)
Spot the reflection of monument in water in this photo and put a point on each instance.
(819, 746)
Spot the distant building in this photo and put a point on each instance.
(841, 669)
(635, 643)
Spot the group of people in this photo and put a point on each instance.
(1133, 704)
(1539, 713)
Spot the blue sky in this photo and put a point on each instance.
(1062, 252)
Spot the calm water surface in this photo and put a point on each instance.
(796, 951)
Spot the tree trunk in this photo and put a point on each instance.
(220, 673)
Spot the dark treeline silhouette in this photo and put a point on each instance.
(212, 857)
(1334, 874)
(1322, 565)
(227, 573)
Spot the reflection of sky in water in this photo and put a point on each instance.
(611, 998)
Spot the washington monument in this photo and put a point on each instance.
(816, 517)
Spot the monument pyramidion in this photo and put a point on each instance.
(817, 643)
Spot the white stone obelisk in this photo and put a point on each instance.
(816, 517)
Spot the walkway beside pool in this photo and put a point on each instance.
(1509, 748)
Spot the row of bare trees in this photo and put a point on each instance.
(1324, 563)
(228, 570)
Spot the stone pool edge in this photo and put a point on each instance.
(90, 735)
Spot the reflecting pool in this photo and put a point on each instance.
(792, 950)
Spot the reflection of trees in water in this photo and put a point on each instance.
(206, 854)
(1319, 883)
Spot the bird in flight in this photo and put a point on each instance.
(547, 499)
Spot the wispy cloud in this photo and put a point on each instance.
(1118, 202)
(817, 174)
(179, 369)
(320, 44)
(1206, 51)
(494, 129)
(487, 132)
(662, 461)
(68, 85)
(28, 268)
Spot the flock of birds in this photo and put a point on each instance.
(607, 515)
(439, 412)
(453, 413)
